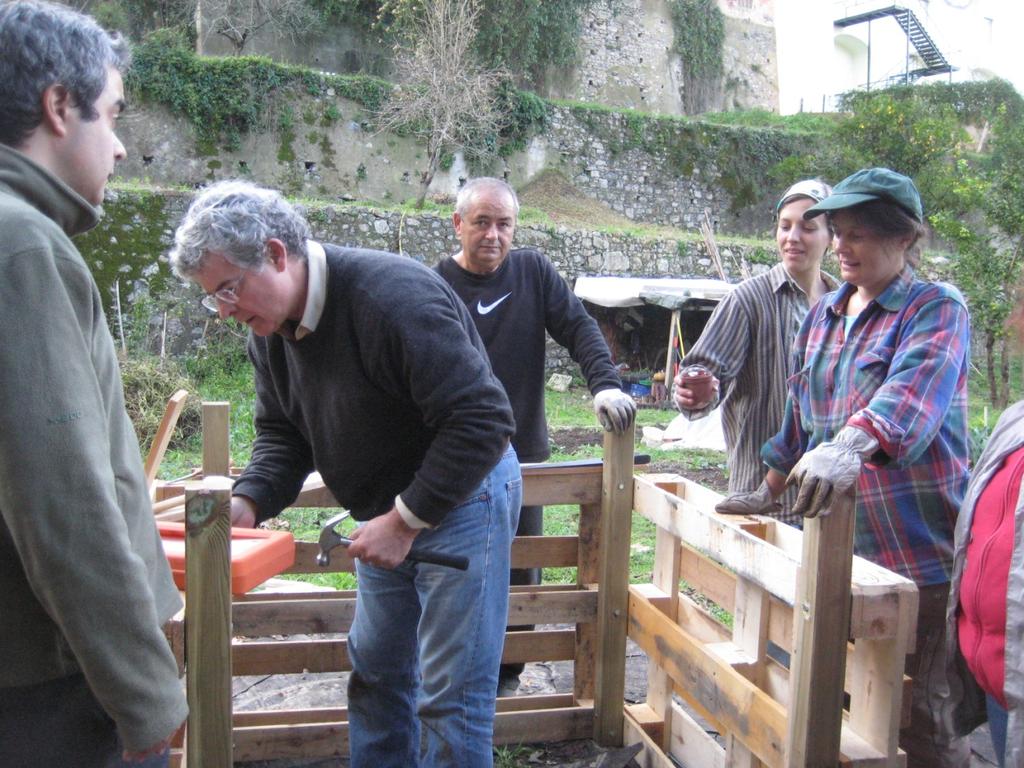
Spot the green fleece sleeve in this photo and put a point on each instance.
(73, 515)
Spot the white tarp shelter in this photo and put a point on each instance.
(635, 291)
(672, 293)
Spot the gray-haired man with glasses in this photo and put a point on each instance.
(369, 369)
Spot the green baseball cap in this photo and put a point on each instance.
(871, 184)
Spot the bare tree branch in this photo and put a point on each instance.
(239, 20)
(444, 97)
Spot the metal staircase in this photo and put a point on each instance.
(935, 62)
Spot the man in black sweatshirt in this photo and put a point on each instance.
(515, 298)
(369, 370)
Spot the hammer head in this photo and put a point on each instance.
(329, 539)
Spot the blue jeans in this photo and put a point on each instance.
(997, 717)
(426, 640)
(60, 723)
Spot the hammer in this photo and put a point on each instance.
(330, 538)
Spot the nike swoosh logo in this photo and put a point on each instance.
(483, 309)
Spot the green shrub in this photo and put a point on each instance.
(148, 383)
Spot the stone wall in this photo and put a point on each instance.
(655, 170)
(626, 60)
(625, 57)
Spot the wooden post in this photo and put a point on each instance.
(208, 622)
(670, 356)
(216, 445)
(588, 576)
(613, 592)
(821, 629)
(665, 576)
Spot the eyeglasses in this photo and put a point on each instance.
(227, 295)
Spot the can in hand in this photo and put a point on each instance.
(699, 381)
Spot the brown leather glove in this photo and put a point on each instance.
(759, 502)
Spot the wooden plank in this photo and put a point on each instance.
(650, 721)
(821, 628)
(216, 450)
(292, 617)
(290, 716)
(543, 725)
(708, 578)
(281, 657)
(588, 571)
(545, 551)
(733, 701)
(527, 552)
(664, 578)
(613, 596)
(857, 753)
(724, 543)
(538, 701)
(718, 537)
(670, 355)
(269, 741)
(266, 657)
(316, 617)
(566, 607)
(876, 684)
(692, 744)
(540, 645)
(579, 486)
(208, 622)
(750, 636)
(651, 756)
(162, 439)
(273, 742)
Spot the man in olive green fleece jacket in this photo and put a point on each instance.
(86, 675)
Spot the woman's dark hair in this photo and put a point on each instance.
(889, 221)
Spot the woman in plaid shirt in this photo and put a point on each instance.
(880, 401)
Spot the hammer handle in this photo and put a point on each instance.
(458, 562)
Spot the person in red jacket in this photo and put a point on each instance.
(985, 613)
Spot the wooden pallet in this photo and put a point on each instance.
(730, 677)
(764, 712)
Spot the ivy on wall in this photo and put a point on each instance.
(699, 28)
(524, 38)
(226, 98)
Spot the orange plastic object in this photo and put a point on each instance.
(256, 554)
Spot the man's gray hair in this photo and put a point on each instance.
(45, 44)
(473, 187)
(235, 219)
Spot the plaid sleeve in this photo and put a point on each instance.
(907, 410)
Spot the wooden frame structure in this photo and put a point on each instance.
(749, 566)
(791, 594)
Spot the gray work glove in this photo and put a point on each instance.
(615, 409)
(830, 469)
(759, 502)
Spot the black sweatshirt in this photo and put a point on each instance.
(512, 307)
(391, 394)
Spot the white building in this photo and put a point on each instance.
(825, 48)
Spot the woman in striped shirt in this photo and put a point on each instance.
(747, 345)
